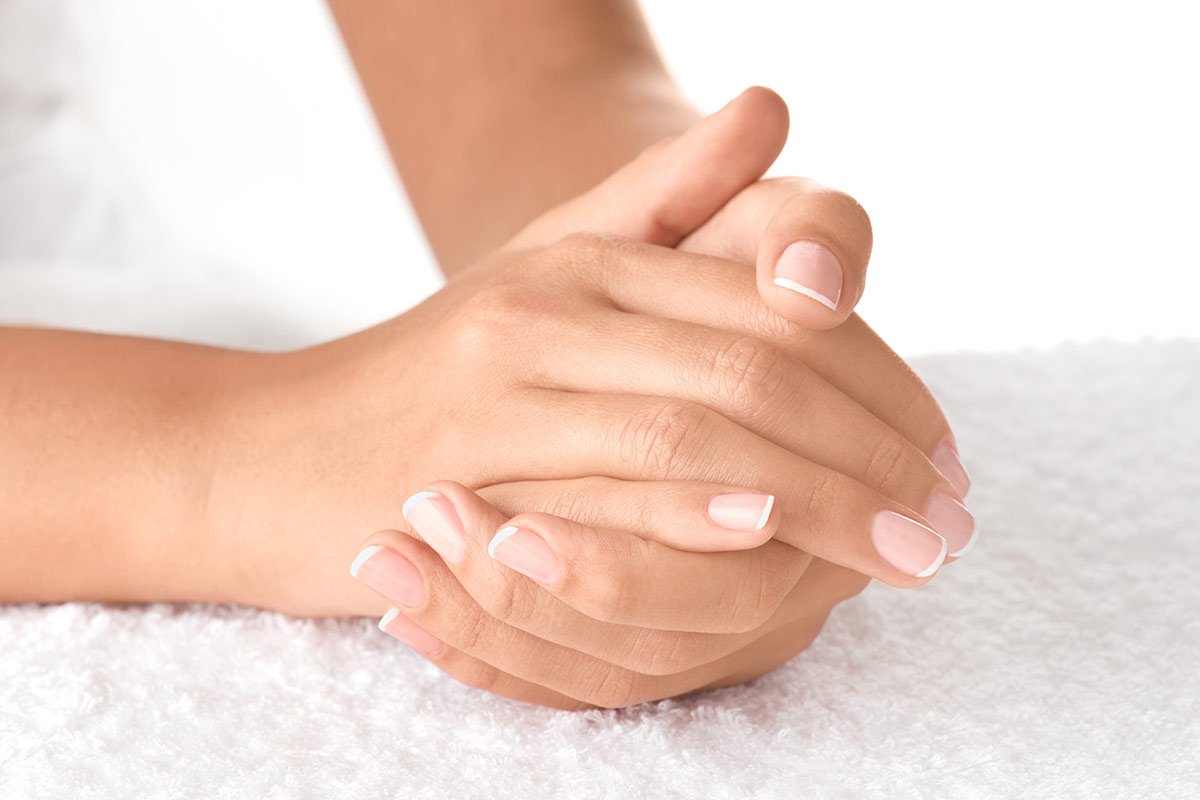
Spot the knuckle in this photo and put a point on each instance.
(511, 600)
(818, 500)
(604, 593)
(585, 246)
(917, 410)
(472, 625)
(765, 585)
(665, 653)
(660, 437)
(614, 687)
(487, 314)
(891, 461)
(749, 372)
(578, 506)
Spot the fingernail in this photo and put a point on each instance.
(951, 519)
(741, 512)
(811, 269)
(396, 624)
(525, 552)
(434, 518)
(950, 465)
(907, 544)
(390, 574)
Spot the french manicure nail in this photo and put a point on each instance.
(741, 512)
(396, 624)
(811, 269)
(525, 552)
(907, 544)
(950, 465)
(390, 574)
(434, 518)
(951, 519)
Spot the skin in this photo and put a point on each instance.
(135, 470)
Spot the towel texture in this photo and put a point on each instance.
(1059, 659)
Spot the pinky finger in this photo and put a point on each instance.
(470, 671)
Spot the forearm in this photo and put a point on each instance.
(106, 453)
(136, 470)
(494, 112)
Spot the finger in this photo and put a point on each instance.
(600, 502)
(445, 621)
(823, 512)
(448, 627)
(410, 575)
(856, 359)
(765, 390)
(678, 183)
(471, 671)
(811, 245)
(407, 573)
(719, 293)
(594, 501)
(607, 575)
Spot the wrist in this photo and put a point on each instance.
(302, 474)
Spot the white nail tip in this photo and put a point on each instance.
(966, 547)
(762, 521)
(807, 292)
(419, 497)
(387, 618)
(363, 557)
(500, 536)
(932, 568)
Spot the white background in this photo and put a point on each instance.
(1030, 167)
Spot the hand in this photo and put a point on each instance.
(528, 646)
(501, 378)
(597, 616)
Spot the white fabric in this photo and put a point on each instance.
(1058, 660)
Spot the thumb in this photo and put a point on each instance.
(675, 185)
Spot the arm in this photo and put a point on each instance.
(104, 442)
(494, 112)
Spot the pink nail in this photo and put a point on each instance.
(950, 465)
(433, 517)
(390, 574)
(811, 269)
(525, 552)
(907, 544)
(396, 624)
(951, 519)
(741, 512)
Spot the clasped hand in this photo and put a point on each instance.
(666, 467)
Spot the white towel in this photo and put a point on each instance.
(1058, 660)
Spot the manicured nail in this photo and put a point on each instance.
(811, 269)
(950, 465)
(434, 518)
(390, 574)
(396, 624)
(951, 519)
(741, 512)
(525, 552)
(907, 544)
